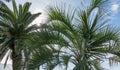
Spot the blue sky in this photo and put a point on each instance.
(116, 12)
(40, 6)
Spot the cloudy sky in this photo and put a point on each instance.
(40, 6)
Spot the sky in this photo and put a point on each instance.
(41, 5)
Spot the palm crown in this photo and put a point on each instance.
(86, 36)
(15, 29)
(79, 36)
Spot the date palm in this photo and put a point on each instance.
(15, 30)
(84, 35)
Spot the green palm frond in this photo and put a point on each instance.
(16, 29)
(84, 33)
(87, 34)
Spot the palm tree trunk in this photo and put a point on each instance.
(16, 61)
(16, 57)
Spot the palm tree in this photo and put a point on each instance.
(15, 30)
(83, 36)
(43, 53)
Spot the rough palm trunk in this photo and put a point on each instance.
(16, 61)
(16, 58)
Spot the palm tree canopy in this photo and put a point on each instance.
(85, 35)
(15, 27)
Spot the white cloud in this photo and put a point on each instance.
(115, 7)
(41, 18)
